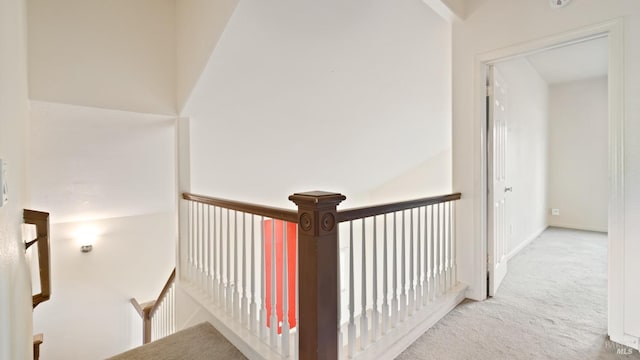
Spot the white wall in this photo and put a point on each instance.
(527, 125)
(498, 24)
(199, 25)
(16, 333)
(114, 172)
(578, 174)
(90, 163)
(116, 54)
(432, 177)
(331, 95)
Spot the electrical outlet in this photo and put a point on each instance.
(555, 212)
(4, 190)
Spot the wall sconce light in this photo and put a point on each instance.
(86, 237)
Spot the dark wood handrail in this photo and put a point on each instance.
(41, 221)
(262, 210)
(38, 339)
(163, 293)
(143, 308)
(364, 212)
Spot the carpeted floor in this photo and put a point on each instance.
(551, 305)
(201, 342)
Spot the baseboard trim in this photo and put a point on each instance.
(524, 244)
(388, 347)
(627, 340)
(579, 227)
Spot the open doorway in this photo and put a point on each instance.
(547, 148)
(615, 154)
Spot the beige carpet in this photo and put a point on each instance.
(551, 305)
(196, 343)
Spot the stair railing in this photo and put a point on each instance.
(272, 277)
(158, 316)
(401, 272)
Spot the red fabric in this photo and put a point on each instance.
(292, 235)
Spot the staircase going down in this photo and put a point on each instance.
(199, 342)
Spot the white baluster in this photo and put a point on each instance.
(432, 286)
(403, 257)
(154, 327)
(214, 255)
(285, 292)
(163, 320)
(440, 253)
(443, 241)
(376, 315)
(194, 242)
(167, 318)
(274, 312)
(209, 254)
(436, 250)
(198, 245)
(447, 269)
(352, 324)
(244, 303)
(454, 244)
(172, 309)
(253, 308)
(364, 321)
(394, 301)
(203, 271)
(228, 304)
(419, 263)
(427, 273)
(203, 250)
(221, 280)
(385, 280)
(235, 299)
(189, 240)
(412, 294)
(165, 309)
(263, 304)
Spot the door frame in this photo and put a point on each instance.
(614, 31)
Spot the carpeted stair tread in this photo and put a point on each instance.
(199, 342)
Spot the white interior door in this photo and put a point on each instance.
(497, 148)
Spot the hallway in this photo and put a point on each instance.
(551, 305)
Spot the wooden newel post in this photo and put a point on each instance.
(146, 323)
(318, 261)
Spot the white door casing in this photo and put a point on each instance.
(497, 187)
